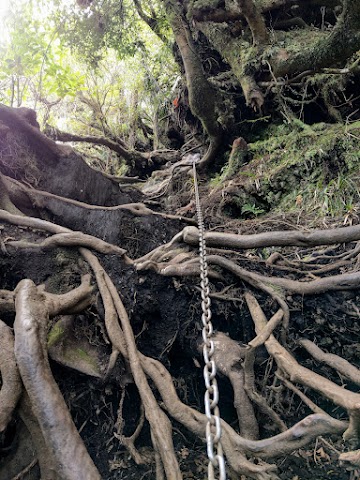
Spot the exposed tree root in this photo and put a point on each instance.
(47, 463)
(47, 201)
(159, 423)
(265, 333)
(70, 240)
(235, 446)
(334, 361)
(253, 394)
(63, 236)
(5, 201)
(71, 302)
(11, 383)
(287, 363)
(61, 436)
(228, 357)
(300, 394)
(26, 470)
(351, 457)
(336, 282)
(285, 238)
(129, 442)
(45, 411)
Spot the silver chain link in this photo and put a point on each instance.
(213, 426)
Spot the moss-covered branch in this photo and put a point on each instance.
(330, 50)
(204, 100)
(138, 162)
(255, 21)
(243, 59)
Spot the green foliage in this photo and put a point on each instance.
(111, 24)
(34, 64)
(94, 70)
(60, 78)
(251, 209)
(21, 57)
(310, 170)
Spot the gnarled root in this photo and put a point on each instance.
(123, 340)
(334, 361)
(11, 383)
(287, 363)
(62, 438)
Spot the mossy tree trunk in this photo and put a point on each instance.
(204, 100)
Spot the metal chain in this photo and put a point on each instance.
(213, 426)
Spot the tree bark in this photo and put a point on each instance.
(203, 99)
(332, 50)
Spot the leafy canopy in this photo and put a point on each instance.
(60, 52)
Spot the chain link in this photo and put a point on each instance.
(211, 399)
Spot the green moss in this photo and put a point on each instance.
(80, 353)
(311, 168)
(55, 335)
(300, 168)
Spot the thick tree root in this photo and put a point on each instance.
(293, 238)
(11, 383)
(271, 285)
(70, 240)
(351, 457)
(124, 341)
(47, 463)
(61, 436)
(236, 448)
(334, 361)
(46, 200)
(62, 236)
(228, 356)
(71, 302)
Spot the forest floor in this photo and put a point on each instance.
(165, 309)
